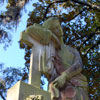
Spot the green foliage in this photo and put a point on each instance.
(9, 76)
(9, 19)
(81, 30)
(81, 26)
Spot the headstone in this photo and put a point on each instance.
(61, 64)
(23, 90)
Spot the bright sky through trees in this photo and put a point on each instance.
(80, 20)
(13, 56)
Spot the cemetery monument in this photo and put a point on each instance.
(60, 63)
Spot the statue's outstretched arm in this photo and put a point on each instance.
(72, 71)
(76, 67)
(40, 34)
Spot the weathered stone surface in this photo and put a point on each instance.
(52, 57)
(21, 90)
(39, 39)
(69, 84)
(35, 97)
(69, 94)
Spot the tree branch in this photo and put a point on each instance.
(91, 6)
(88, 4)
(94, 45)
(2, 96)
(61, 1)
(80, 12)
(90, 36)
(2, 16)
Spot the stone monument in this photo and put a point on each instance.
(60, 63)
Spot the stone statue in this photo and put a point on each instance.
(60, 63)
(35, 97)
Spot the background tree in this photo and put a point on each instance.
(80, 20)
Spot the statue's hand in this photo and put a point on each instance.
(46, 69)
(60, 81)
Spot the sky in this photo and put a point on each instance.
(13, 56)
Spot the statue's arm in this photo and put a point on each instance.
(40, 34)
(36, 32)
(75, 68)
(72, 71)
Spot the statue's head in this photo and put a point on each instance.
(53, 24)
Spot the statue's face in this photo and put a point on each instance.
(54, 25)
(57, 30)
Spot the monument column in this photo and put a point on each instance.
(31, 91)
(34, 74)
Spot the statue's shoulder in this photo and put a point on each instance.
(66, 49)
(70, 48)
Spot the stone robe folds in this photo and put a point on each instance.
(43, 44)
(68, 61)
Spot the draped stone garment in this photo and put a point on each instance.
(76, 87)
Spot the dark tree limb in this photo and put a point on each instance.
(91, 6)
(91, 48)
(47, 9)
(80, 12)
(2, 96)
(89, 37)
(88, 4)
(2, 16)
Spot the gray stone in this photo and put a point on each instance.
(21, 90)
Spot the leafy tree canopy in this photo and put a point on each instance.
(80, 20)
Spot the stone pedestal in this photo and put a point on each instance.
(21, 90)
